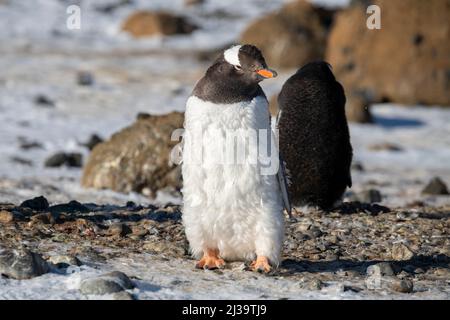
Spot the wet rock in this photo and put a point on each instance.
(136, 158)
(149, 23)
(370, 196)
(85, 78)
(92, 141)
(290, 37)
(39, 203)
(436, 187)
(401, 252)
(6, 216)
(64, 261)
(21, 263)
(44, 101)
(71, 159)
(106, 284)
(415, 73)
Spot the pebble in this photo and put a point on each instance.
(21, 263)
(6, 216)
(43, 100)
(71, 159)
(314, 284)
(401, 252)
(85, 78)
(119, 229)
(92, 142)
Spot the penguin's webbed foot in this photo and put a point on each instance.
(210, 260)
(261, 264)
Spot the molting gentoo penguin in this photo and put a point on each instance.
(314, 137)
(232, 209)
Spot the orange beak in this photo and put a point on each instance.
(267, 73)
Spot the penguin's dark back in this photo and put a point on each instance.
(314, 136)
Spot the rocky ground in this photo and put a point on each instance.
(356, 251)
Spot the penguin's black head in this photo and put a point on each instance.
(234, 76)
(243, 64)
(318, 70)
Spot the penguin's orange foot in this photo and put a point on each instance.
(261, 264)
(210, 261)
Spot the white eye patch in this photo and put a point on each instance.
(232, 55)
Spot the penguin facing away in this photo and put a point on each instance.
(314, 136)
(230, 210)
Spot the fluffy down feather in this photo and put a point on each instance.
(232, 207)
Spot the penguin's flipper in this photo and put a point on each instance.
(349, 182)
(283, 181)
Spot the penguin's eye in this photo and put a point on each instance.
(238, 68)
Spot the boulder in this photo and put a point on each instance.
(292, 36)
(149, 23)
(21, 263)
(406, 61)
(137, 157)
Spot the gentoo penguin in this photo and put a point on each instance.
(232, 210)
(314, 136)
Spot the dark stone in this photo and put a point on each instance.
(71, 207)
(85, 78)
(43, 100)
(26, 144)
(417, 39)
(92, 142)
(59, 159)
(38, 203)
(22, 161)
(436, 187)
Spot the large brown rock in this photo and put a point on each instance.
(292, 36)
(406, 61)
(149, 23)
(137, 157)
